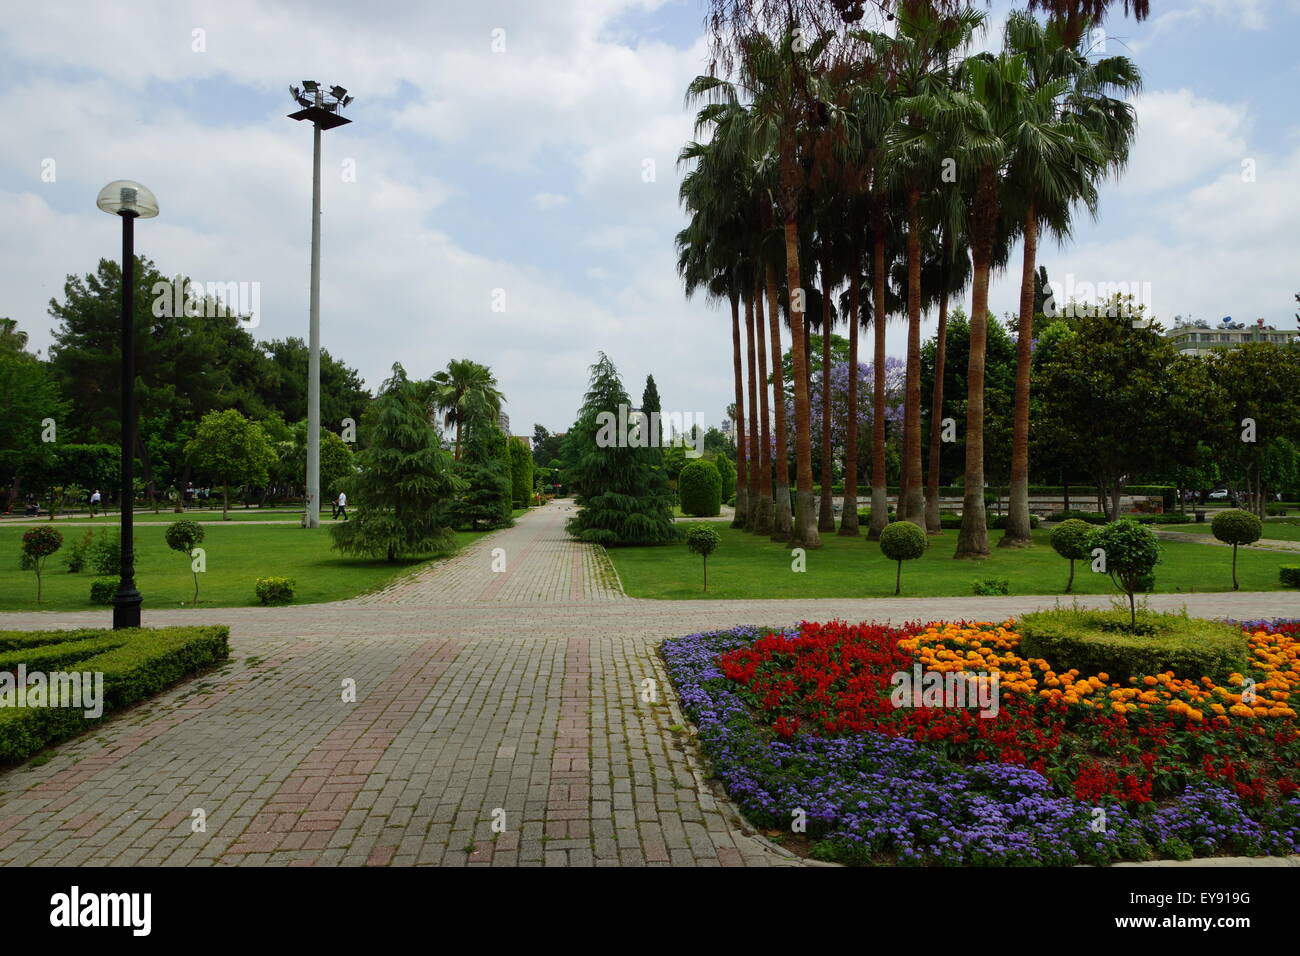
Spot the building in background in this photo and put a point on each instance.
(1201, 338)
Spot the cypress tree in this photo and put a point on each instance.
(403, 488)
(621, 494)
(485, 470)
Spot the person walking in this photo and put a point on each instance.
(94, 503)
(342, 507)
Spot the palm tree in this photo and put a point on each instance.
(1072, 133)
(464, 390)
(710, 249)
(920, 78)
(785, 97)
(982, 119)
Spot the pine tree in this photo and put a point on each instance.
(485, 470)
(650, 404)
(521, 473)
(404, 486)
(622, 497)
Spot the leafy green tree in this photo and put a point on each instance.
(1131, 552)
(284, 385)
(404, 486)
(233, 449)
(621, 498)
(1108, 389)
(184, 536)
(187, 364)
(1258, 380)
(31, 395)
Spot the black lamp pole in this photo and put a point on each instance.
(127, 600)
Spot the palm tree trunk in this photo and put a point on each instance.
(458, 419)
(912, 506)
(782, 520)
(826, 515)
(933, 523)
(879, 488)
(742, 494)
(755, 462)
(763, 517)
(849, 511)
(805, 529)
(973, 539)
(1017, 534)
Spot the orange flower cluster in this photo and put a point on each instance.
(1274, 663)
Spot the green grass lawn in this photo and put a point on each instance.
(236, 557)
(1277, 529)
(746, 566)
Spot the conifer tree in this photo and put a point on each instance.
(485, 470)
(404, 487)
(622, 496)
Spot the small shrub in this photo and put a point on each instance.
(992, 586)
(75, 559)
(184, 536)
(703, 540)
(1236, 527)
(1290, 575)
(1069, 539)
(102, 590)
(105, 555)
(1131, 552)
(39, 544)
(700, 488)
(1103, 642)
(902, 541)
(275, 590)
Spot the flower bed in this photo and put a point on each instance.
(1069, 769)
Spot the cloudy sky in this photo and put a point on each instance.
(523, 153)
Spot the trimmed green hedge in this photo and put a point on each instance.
(1094, 642)
(1290, 575)
(135, 662)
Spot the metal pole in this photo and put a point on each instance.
(313, 347)
(127, 600)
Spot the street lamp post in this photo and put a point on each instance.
(325, 112)
(129, 201)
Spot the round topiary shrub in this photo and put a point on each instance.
(902, 541)
(1236, 527)
(1070, 540)
(39, 544)
(275, 590)
(1130, 551)
(102, 590)
(184, 536)
(700, 488)
(703, 540)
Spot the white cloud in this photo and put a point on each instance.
(545, 201)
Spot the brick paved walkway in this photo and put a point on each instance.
(499, 720)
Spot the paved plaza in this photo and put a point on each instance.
(500, 718)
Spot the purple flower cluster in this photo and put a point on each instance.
(868, 798)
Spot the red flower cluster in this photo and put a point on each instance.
(836, 678)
